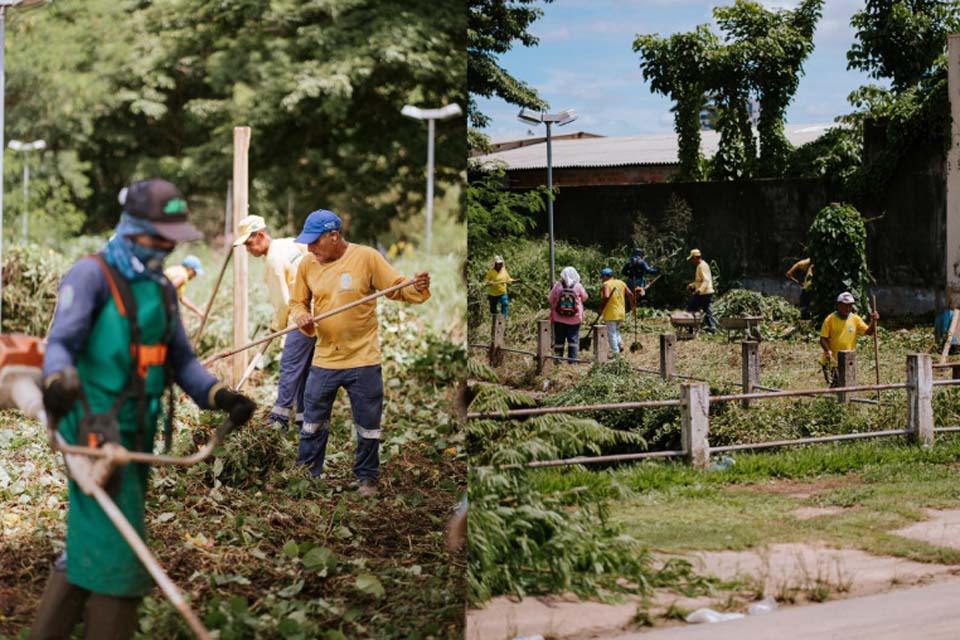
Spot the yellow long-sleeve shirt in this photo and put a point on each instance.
(177, 274)
(497, 281)
(283, 257)
(349, 339)
(703, 280)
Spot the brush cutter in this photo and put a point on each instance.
(21, 372)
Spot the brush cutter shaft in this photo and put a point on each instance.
(373, 296)
(81, 473)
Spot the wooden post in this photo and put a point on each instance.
(847, 367)
(920, 398)
(496, 340)
(695, 425)
(668, 355)
(544, 346)
(952, 181)
(241, 329)
(601, 345)
(749, 368)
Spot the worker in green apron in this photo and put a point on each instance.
(116, 344)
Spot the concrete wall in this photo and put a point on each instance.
(755, 230)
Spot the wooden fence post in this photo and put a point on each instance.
(601, 348)
(695, 425)
(544, 346)
(847, 367)
(241, 330)
(750, 367)
(920, 398)
(668, 355)
(496, 340)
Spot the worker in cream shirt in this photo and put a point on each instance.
(283, 256)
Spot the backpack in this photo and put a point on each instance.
(567, 303)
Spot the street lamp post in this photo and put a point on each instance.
(4, 5)
(26, 147)
(430, 115)
(566, 116)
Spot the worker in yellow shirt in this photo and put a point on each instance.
(805, 267)
(283, 256)
(496, 280)
(839, 333)
(702, 290)
(613, 306)
(402, 248)
(347, 354)
(180, 274)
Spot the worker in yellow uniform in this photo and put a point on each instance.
(702, 290)
(805, 267)
(283, 256)
(613, 306)
(337, 273)
(180, 274)
(496, 280)
(402, 248)
(839, 333)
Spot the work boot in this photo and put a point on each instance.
(368, 488)
(282, 423)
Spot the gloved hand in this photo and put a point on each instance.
(60, 391)
(239, 406)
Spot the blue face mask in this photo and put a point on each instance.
(150, 257)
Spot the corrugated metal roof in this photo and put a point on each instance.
(618, 151)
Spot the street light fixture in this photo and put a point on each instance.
(4, 5)
(529, 116)
(25, 147)
(431, 116)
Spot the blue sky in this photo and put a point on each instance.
(585, 60)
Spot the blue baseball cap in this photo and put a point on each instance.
(318, 223)
(606, 271)
(194, 263)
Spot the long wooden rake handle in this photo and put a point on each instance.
(213, 295)
(373, 296)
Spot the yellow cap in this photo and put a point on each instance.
(247, 227)
(695, 253)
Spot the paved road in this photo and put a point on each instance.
(927, 613)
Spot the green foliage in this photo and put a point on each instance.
(616, 381)
(775, 44)
(901, 39)
(836, 155)
(496, 214)
(917, 118)
(743, 302)
(523, 541)
(442, 362)
(138, 89)
(492, 28)
(674, 67)
(31, 278)
(836, 244)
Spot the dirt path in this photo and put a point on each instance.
(793, 573)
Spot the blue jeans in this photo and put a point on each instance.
(701, 302)
(294, 368)
(364, 385)
(613, 335)
(503, 301)
(564, 334)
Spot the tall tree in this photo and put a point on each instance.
(901, 39)
(675, 67)
(493, 27)
(727, 77)
(776, 44)
(161, 84)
